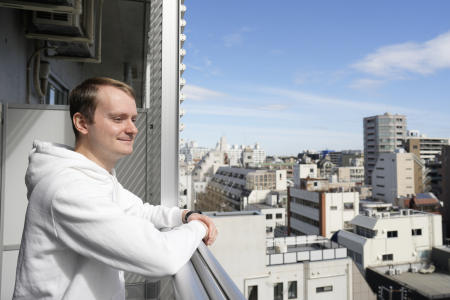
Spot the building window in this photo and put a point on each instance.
(292, 290)
(315, 183)
(417, 231)
(388, 257)
(269, 217)
(334, 207)
(348, 205)
(253, 292)
(323, 289)
(279, 216)
(392, 234)
(56, 92)
(269, 229)
(278, 291)
(366, 232)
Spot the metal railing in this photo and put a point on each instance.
(204, 278)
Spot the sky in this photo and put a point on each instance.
(295, 75)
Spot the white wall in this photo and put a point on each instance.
(240, 246)
(405, 248)
(336, 218)
(393, 176)
(280, 180)
(302, 171)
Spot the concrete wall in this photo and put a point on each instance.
(240, 246)
(405, 248)
(393, 177)
(336, 218)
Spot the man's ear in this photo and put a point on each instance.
(80, 123)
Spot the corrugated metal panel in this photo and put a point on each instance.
(154, 136)
(131, 170)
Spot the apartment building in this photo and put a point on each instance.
(296, 267)
(253, 156)
(235, 188)
(393, 176)
(303, 171)
(429, 150)
(351, 174)
(193, 152)
(321, 208)
(382, 133)
(392, 237)
(275, 217)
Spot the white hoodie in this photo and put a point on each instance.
(82, 227)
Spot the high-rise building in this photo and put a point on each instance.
(429, 151)
(382, 133)
(393, 177)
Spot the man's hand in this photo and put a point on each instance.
(211, 233)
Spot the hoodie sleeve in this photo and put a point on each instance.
(96, 227)
(160, 216)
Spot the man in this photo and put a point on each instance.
(81, 225)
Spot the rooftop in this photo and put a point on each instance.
(432, 286)
(296, 249)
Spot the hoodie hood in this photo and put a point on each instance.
(51, 158)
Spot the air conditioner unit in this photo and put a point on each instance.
(75, 37)
(55, 6)
(63, 26)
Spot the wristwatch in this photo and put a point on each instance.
(186, 216)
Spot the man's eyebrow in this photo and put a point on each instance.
(119, 114)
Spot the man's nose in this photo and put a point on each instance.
(131, 128)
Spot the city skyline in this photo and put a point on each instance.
(304, 75)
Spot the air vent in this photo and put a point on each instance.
(61, 17)
(44, 15)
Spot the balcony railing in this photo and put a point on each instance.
(204, 278)
(201, 278)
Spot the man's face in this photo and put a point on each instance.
(111, 135)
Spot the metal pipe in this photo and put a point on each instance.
(187, 284)
(225, 282)
(208, 280)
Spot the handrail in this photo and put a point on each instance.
(208, 280)
(187, 284)
(225, 282)
(204, 278)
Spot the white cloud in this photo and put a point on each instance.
(399, 60)
(194, 92)
(366, 83)
(232, 39)
(244, 112)
(274, 107)
(236, 38)
(368, 107)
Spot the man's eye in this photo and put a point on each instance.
(133, 120)
(117, 119)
